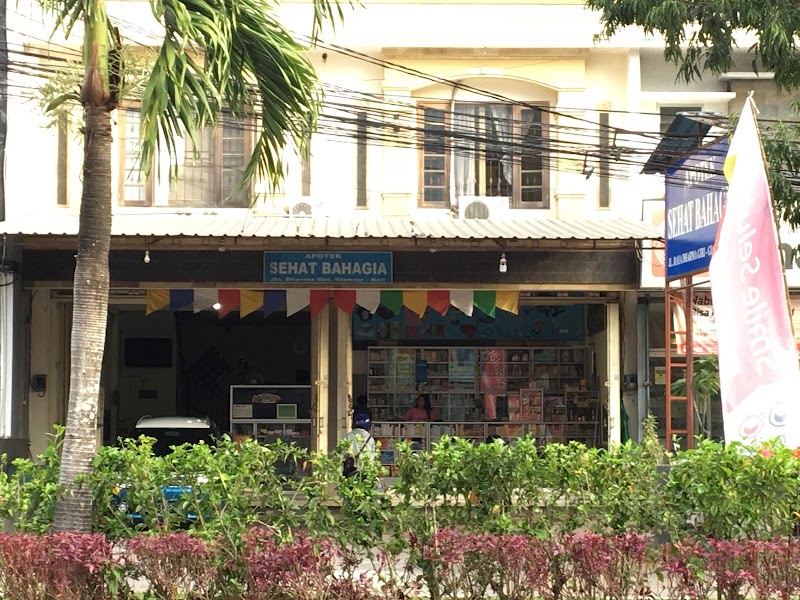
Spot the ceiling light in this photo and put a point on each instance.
(216, 306)
(147, 257)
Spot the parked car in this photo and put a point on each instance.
(168, 433)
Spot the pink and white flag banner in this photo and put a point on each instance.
(759, 373)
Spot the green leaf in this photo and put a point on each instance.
(58, 101)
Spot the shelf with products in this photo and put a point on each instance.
(269, 431)
(458, 380)
(389, 435)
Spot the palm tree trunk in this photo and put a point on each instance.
(89, 313)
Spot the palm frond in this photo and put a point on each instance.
(232, 55)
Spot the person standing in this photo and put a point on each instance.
(362, 445)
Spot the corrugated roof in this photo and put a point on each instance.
(224, 225)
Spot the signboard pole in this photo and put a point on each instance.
(679, 408)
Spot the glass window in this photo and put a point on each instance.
(210, 167)
(495, 149)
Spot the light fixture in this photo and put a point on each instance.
(147, 257)
(216, 306)
(503, 263)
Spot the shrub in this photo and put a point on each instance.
(174, 565)
(301, 569)
(63, 565)
(609, 567)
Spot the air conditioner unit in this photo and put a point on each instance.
(483, 207)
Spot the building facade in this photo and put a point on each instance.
(475, 191)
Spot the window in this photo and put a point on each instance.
(483, 150)
(209, 172)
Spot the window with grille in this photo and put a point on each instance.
(210, 168)
(483, 150)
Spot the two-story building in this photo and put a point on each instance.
(467, 228)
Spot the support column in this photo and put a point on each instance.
(320, 378)
(643, 369)
(344, 373)
(340, 365)
(613, 371)
(629, 337)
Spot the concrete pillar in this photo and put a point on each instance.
(630, 362)
(643, 371)
(340, 369)
(613, 372)
(320, 376)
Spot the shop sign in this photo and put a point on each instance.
(704, 329)
(328, 267)
(695, 195)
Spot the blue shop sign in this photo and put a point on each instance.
(328, 267)
(695, 195)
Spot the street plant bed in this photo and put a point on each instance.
(453, 563)
(493, 520)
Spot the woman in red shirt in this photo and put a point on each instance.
(421, 411)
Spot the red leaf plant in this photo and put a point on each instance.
(175, 565)
(302, 569)
(777, 572)
(469, 565)
(67, 566)
(610, 567)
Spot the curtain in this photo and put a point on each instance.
(465, 146)
(504, 129)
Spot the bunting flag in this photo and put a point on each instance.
(228, 300)
(439, 300)
(251, 301)
(156, 300)
(204, 299)
(369, 299)
(486, 302)
(296, 300)
(392, 299)
(416, 301)
(345, 300)
(180, 298)
(508, 301)
(318, 299)
(463, 300)
(274, 300)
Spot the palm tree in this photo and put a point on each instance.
(231, 54)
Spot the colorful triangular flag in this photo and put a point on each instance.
(228, 300)
(296, 300)
(369, 299)
(317, 300)
(416, 301)
(251, 301)
(345, 300)
(156, 300)
(463, 300)
(274, 300)
(486, 302)
(392, 299)
(439, 300)
(508, 301)
(180, 298)
(204, 298)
